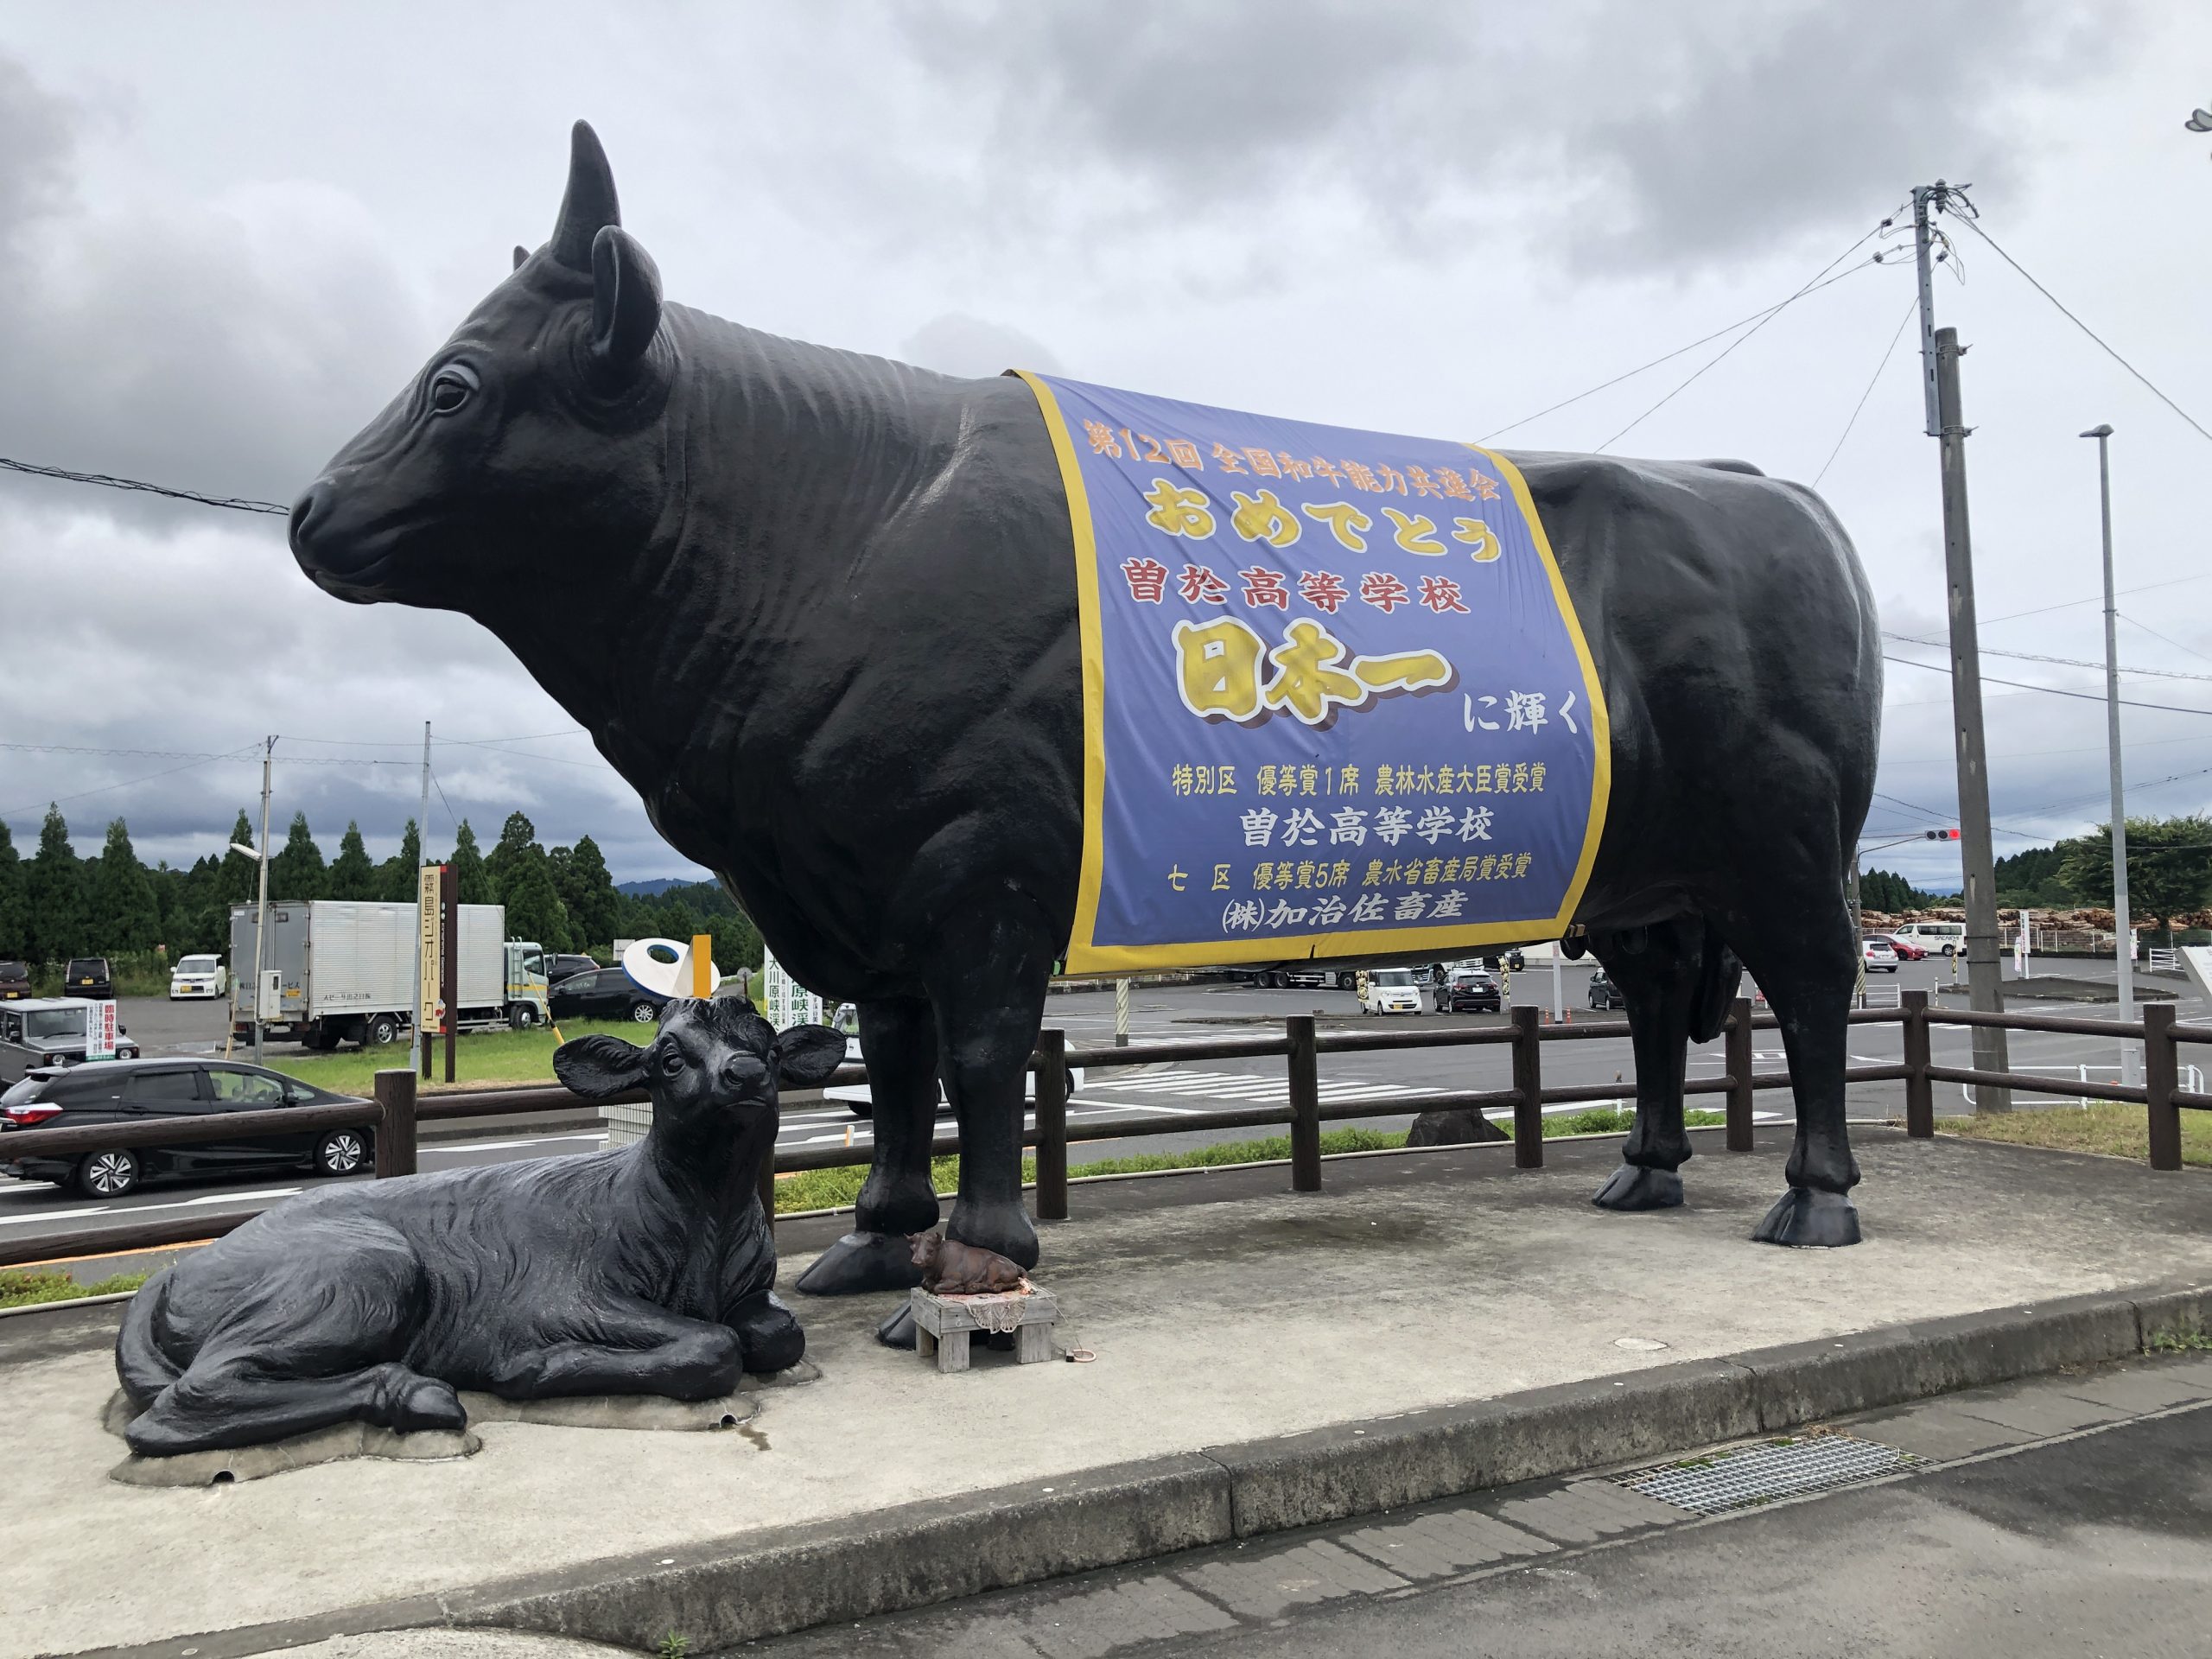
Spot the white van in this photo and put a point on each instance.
(1390, 990)
(198, 977)
(1949, 937)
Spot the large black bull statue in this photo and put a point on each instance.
(819, 609)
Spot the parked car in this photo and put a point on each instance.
(47, 1031)
(1603, 994)
(1391, 990)
(1513, 961)
(198, 978)
(1948, 937)
(1906, 950)
(133, 1092)
(88, 977)
(1471, 990)
(606, 993)
(15, 980)
(1881, 956)
(562, 964)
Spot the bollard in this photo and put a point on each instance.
(1120, 1013)
(2161, 1069)
(1738, 1063)
(1051, 1126)
(1305, 1106)
(395, 1097)
(1919, 1090)
(1528, 1080)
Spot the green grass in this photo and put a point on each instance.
(21, 1289)
(480, 1059)
(2110, 1127)
(835, 1189)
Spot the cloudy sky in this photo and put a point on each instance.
(233, 232)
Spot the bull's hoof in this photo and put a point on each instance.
(412, 1402)
(1810, 1218)
(898, 1331)
(860, 1262)
(1634, 1187)
(1003, 1228)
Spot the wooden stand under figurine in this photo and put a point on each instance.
(945, 1326)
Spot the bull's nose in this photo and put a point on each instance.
(312, 505)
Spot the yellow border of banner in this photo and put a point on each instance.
(1085, 957)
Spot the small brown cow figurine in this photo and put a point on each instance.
(951, 1269)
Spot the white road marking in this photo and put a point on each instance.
(505, 1146)
(147, 1208)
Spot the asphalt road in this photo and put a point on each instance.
(2088, 1533)
(1164, 1093)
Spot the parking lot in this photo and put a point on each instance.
(1150, 1093)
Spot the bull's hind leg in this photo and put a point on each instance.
(899, 1042)
(1799, 947)
(1658, 970)
(217, 1407)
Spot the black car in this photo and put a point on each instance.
(1603, 994)
(15, 980)
(1470, 991)
(88, 977)
(131, 1091)
(606, 993)
(561, 965)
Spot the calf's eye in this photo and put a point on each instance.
(453, 388)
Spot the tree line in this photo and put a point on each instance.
(55, 905)
(2169, 873)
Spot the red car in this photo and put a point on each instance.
(1906, 950)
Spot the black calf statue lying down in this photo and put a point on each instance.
(649, 1269)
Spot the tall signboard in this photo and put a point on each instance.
(100, 1030)
(784, 1001)
(430, 1015)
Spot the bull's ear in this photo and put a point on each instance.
(624, 298)
(521, 254)
(807, 1054)
(598, 1067)
(589, 205)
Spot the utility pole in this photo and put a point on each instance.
(1939, 371)
(261, 922)
(2123, 935)
(421, 858)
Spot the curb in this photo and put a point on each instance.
(764, 1584)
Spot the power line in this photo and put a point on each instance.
(145, 755)
(2162, 639)
(1968, 219)
(2092, 598)
(2051, 690)
(2063, 662)
(106, 480)
(82, 794)
(1860, 405)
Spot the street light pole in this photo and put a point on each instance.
(261, 921)
(2123, 934)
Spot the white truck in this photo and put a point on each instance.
(345, 972)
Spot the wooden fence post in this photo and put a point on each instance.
(2161, 1076)
(1051, 1126)
(1528, 1080)
(1738, 1062)
(1919, 1090)
(395, 1096)
(1305, 1105)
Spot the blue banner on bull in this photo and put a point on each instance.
(1336, 699)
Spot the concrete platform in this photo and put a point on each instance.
(1432, 1323)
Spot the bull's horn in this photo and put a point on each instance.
(589, 205)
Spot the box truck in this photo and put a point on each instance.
(343, 972)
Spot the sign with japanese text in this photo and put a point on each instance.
(1336, 699)
(430, 947)
(100, 1029)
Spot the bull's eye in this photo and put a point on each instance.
(453, 386)
(671, 1063)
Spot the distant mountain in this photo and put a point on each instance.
(651, 889)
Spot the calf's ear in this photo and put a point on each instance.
(598, 1067)
(624, 298)
(807, 1054)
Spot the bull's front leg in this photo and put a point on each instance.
(1657, 968)
(899, 1042)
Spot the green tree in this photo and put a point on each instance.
(503, 862)
(2168, 866)
(238, 878)
(55, 884)
(351, 875)
(123, 914)
(471, 885)
(297, 873)
(580, 872)
(14, 899)
(397, 876)
(534, 906)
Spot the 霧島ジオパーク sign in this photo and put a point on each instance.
(1335, 701)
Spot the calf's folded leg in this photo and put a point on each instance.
(215, 1407)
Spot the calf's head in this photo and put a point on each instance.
(529, 447)
(715, 1064)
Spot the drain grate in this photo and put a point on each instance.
(1744, 1476)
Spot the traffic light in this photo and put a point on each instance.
(1939, 835)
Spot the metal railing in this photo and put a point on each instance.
(395, 1113)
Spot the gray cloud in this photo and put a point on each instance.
(956, 343)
